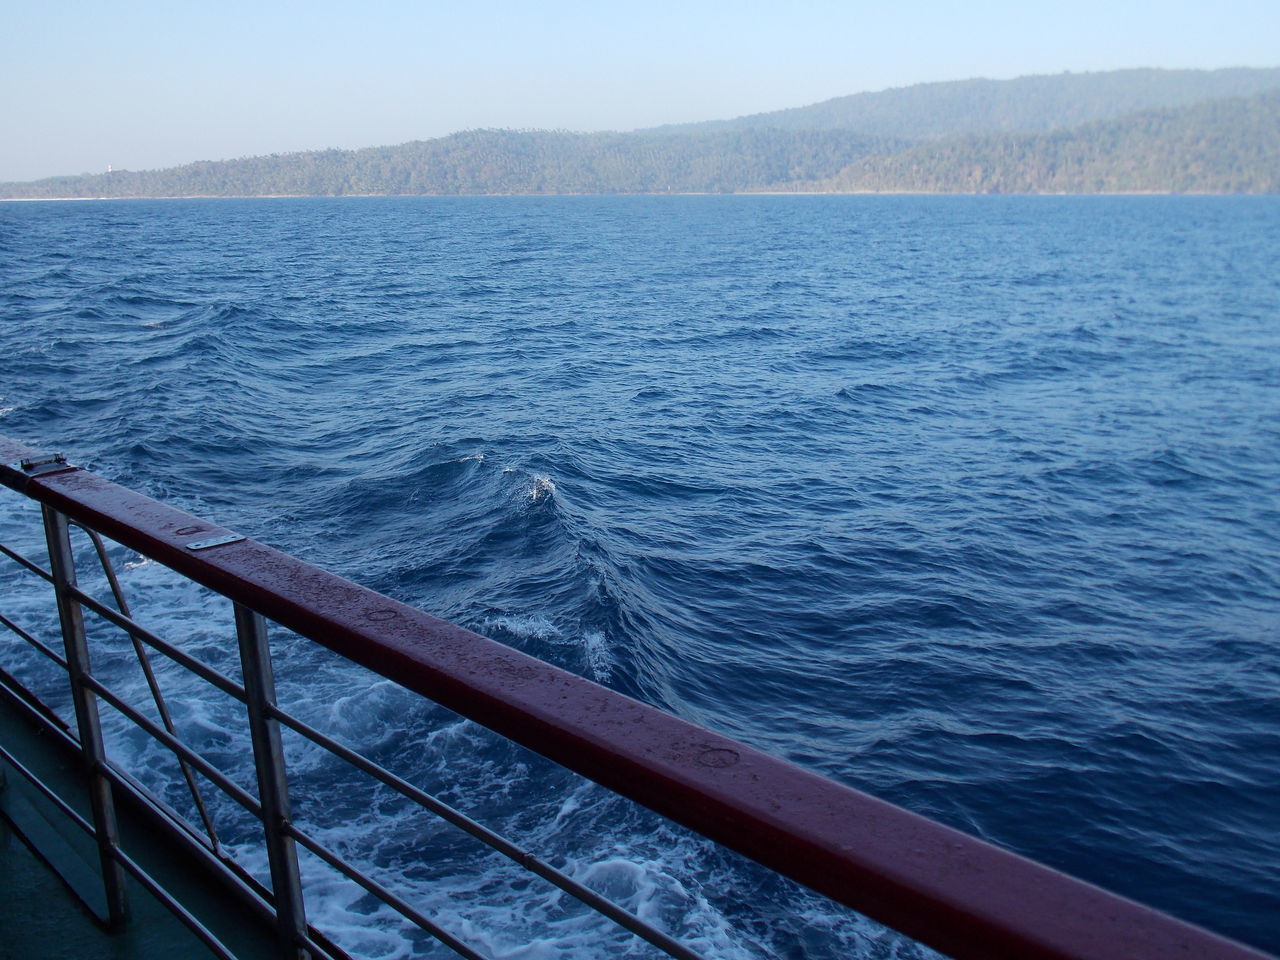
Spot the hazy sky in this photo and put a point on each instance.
(152, 84)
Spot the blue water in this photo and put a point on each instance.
(971, 503)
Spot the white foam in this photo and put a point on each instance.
(525, 626)
(599, 656)
(673, 879)
(543, 488)
(593, 643)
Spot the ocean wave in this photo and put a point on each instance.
(975, 512)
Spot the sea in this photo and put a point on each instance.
(971, 503)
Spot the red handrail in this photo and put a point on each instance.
(947, 889)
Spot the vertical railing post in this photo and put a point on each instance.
(92, 751)
(273, 787)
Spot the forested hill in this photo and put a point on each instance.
(1223, 146)
(501, 162)
(1227, 145)
(1027, 104)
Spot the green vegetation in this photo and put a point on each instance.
(1027, 104)
(499, 162)
(1073, 133)
(1224, 146)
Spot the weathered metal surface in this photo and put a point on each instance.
(965, 897)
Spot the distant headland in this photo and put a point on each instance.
(1123, 131)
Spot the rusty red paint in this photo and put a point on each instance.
(958, 894)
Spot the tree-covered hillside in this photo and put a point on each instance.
(499, 161)
(1221, 146)
(1224, 146)
(1026, 104)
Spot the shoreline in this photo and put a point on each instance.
(742, 193)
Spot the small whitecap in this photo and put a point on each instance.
(570, 805)
(528, 625)
(543, 487)
(622, 881)
(599, 657)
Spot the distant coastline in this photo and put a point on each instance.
(744, 193)
(1117, 133)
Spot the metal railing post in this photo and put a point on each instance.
(273, 787)
(63, 568)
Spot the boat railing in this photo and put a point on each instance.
(953, 892)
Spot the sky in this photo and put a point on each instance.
(141, 85)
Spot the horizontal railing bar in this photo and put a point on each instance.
(382, 893)
(36, 642)
(954, 892)
(131, 626)
(211, 773)
(499, 843)
(30, 565)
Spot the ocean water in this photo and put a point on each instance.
(968, 502)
